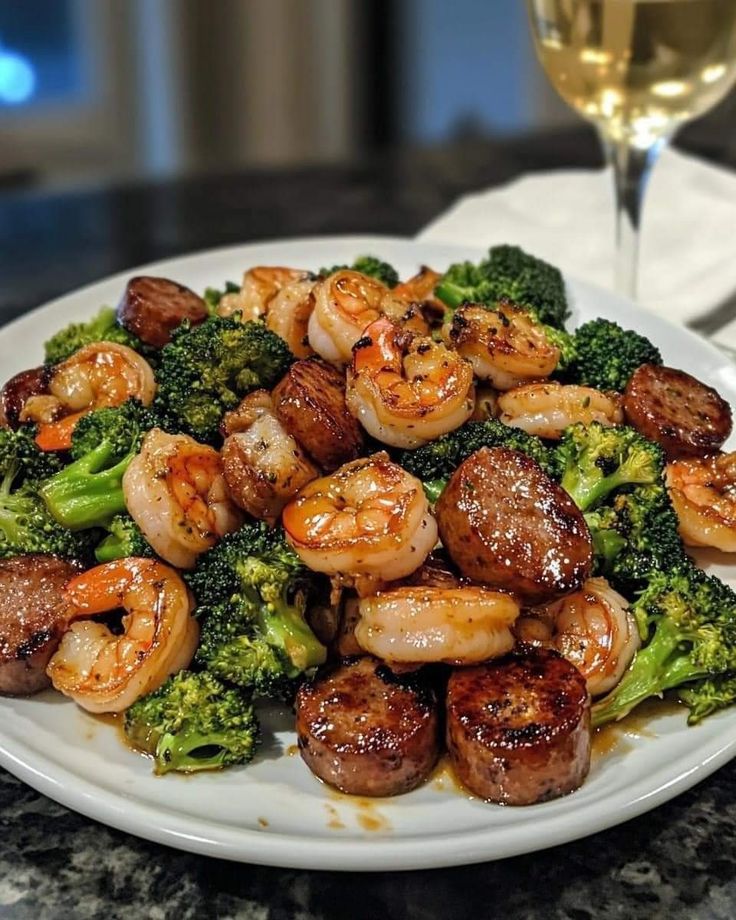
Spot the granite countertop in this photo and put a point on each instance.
(678, 861)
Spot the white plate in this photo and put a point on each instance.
(274, 811)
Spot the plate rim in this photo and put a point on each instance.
(163, 825)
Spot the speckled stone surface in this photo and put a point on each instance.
(676, 862)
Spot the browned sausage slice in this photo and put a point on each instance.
(518, 730)
(17, 390)
(687, 417)
(506, 523)
(152, 307)
(367, 731)
(310, 403)
(32, 619)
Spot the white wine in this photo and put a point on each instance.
(638, 68)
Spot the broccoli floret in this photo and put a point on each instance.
(193, 722)
(635, 536)
(434, 463)
(708, 695)
(25, 523)
(691, 619)
(368, 265)
(213, 296)
(508, 273)
(89, 491)
(605, 355)
(103, 327)
(124, 539)
(596, 460)
(252, 592)
(206, 370)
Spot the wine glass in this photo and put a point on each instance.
(637, 69)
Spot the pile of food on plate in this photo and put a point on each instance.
(423, 512)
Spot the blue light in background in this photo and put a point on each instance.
(17, 78)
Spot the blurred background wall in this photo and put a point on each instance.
(94, 89)
(116, 89)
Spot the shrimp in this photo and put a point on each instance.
(420, 289)
(593, 628)
(505, 346)
(546, 409)
(175, 491)
(98, 375)
(105, 672)
(462, 625)
(263, 465)
(345, 303)
(260, 285)
(703, 492)
(370, 517)
(406, 389)
(288, 316)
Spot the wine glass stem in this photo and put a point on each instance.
(632, 166)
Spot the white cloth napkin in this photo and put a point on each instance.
(688, 246)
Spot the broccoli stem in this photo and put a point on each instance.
(284, 627)
(452, 294)
(86, 493)
(190, 752)
(111, 548)
(433, 489)
(652, 671)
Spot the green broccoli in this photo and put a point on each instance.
(706, 696)
(368, 265)
(508, 273)
(213, 296)
(689, 619)
(193, 722)
(596, 460)
(434, 463)
(124, 538)
(25, 523)
(206, 370)
(103, 327)
(635, 536)
(89, 491)
(605, 355)
(252, 592)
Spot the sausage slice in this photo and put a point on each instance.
(366, 730)
(518, 730)
(17, 390)
(33, 617)
(506, 523)
(310, 403)
(687, 417)
(152, 307)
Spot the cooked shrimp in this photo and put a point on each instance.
(370, 517)
(546, 409)
(505, 346)
(264, 466)
(98, 375)
(175, 491)
(105, 672)
(593, 628)
(420, 288)
(461, 625)
(345, 303)
(703, 492)
(407, 389)
(260, 285)
(288, 316)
